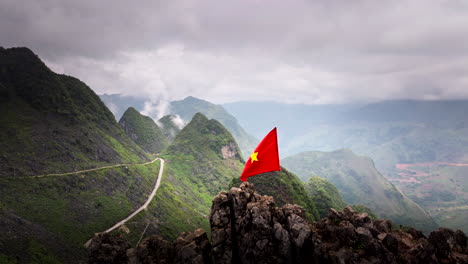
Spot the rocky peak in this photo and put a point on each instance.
(262, 231)
(206, 136)
(247, 227)
(143, 130)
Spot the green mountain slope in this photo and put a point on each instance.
(324, 194)
(285, 187)
(169, 127)
(143, 130)
(360, 183)
(118, 103)
(202, 160)
(54, 123)
(186, 109)
(211, 151)
(189, 106)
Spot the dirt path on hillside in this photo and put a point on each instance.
(87, 170)
(141, 208)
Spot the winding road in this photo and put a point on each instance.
(145, 205)
(89, 170)
(141, 208)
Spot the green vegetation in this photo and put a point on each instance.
(4, 259)
(169, 127)
(188, 107)
(285, 187)
(202, 161)
(39, 254)
(359, 182)
(75, 207)
(324, 194)
(143, 130)
(54, 123)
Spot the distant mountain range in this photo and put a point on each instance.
(389, 132)
(186, 109)
(359, 182)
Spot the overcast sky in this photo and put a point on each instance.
(322, 51)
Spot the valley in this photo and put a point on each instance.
(226, 132)
(441, 188)
(69, 170)
(359, 182)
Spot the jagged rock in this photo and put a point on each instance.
(264, 233)
(383, 225)
(193, 247)
(416, 234)
(461, 244)
(246, 227)
(154, 250)
(106, 248)
(439, 239)
(189, 247)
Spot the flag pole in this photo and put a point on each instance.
(235, 245)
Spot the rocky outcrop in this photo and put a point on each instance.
(246, 227)
(106, 248)
(189, 247)
(263, 232)
(229, 151)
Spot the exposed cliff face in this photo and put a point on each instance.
(268, 234)
(229, 151)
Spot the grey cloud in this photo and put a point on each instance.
(322, 51)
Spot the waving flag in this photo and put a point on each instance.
(265, 157)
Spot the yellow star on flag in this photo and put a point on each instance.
(253, 157)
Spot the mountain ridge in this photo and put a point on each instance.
(56, 124)
(359, 182)
(186, 109)
(143, 130)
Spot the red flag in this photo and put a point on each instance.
(265, 157)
